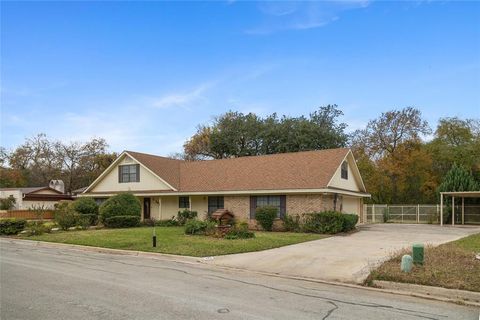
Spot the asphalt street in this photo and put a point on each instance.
(40, 282)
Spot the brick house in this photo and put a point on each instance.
(296, 183)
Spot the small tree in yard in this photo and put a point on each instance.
(265, 217)
(7, 203)
(458, 179)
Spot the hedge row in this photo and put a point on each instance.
(12, 226)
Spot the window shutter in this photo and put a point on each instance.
(283, 206)
(253, 205)
(119, 174)
(138, 172)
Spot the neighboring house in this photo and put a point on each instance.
(295, 183)
(30, 198)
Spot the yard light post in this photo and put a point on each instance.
(154, 237)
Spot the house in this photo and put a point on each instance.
(34, 197)
(296, 183)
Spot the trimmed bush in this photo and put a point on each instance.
(124, 204)
(122, 221)
(265, 217)
(12, 226)
(194, 226)
(185, 215)
(324, 222)
(85, 206)
(292, 223)
(65, 216)
(349, 221)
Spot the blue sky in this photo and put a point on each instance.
(143, 75)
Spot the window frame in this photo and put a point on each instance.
(219, 203)
(344, 170)
(271, 200)
(128, 176)
(182, 200)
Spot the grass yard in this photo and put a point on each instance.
(451, 265)
(172, 240)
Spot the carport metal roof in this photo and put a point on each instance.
(458, 194)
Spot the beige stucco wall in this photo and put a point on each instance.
(148, 181)
(199, 204)
(347, 184)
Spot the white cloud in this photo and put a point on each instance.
(281, 16)
(182, 100)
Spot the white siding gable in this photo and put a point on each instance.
(353, 183)
(148, 181)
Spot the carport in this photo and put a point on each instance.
(459, 195)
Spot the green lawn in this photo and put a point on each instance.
(173, 240)
(451, 265)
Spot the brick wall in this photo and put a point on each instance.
(302, 203)
(239, 206)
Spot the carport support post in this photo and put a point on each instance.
(373, 213)
(453, 211)
(463, 210)
(441, 209)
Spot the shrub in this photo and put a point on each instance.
(324, 222)
(194, 226)
(36, 228)
(7, 203)
(124, 204)
(122, 221)
(65, 216)
(83, 221)
(85, 206)
(349, 221)
(240, 231)
(167, 223)
(12, 226)
(185, 215)
(91, 218)
(265, 217)
(292, 223)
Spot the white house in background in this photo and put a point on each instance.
(34, 197)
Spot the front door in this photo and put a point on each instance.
(146, 208)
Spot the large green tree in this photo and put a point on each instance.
(235, 134)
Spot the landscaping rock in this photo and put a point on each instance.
(55, 229)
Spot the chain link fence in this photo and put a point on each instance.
(420, 213)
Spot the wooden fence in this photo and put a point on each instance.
(26, 214)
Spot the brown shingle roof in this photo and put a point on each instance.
(299, 170)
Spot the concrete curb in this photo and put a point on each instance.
(460, 295)
(427, 292)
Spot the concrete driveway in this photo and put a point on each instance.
(343, 258)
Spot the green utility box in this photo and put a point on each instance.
(418, 253)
